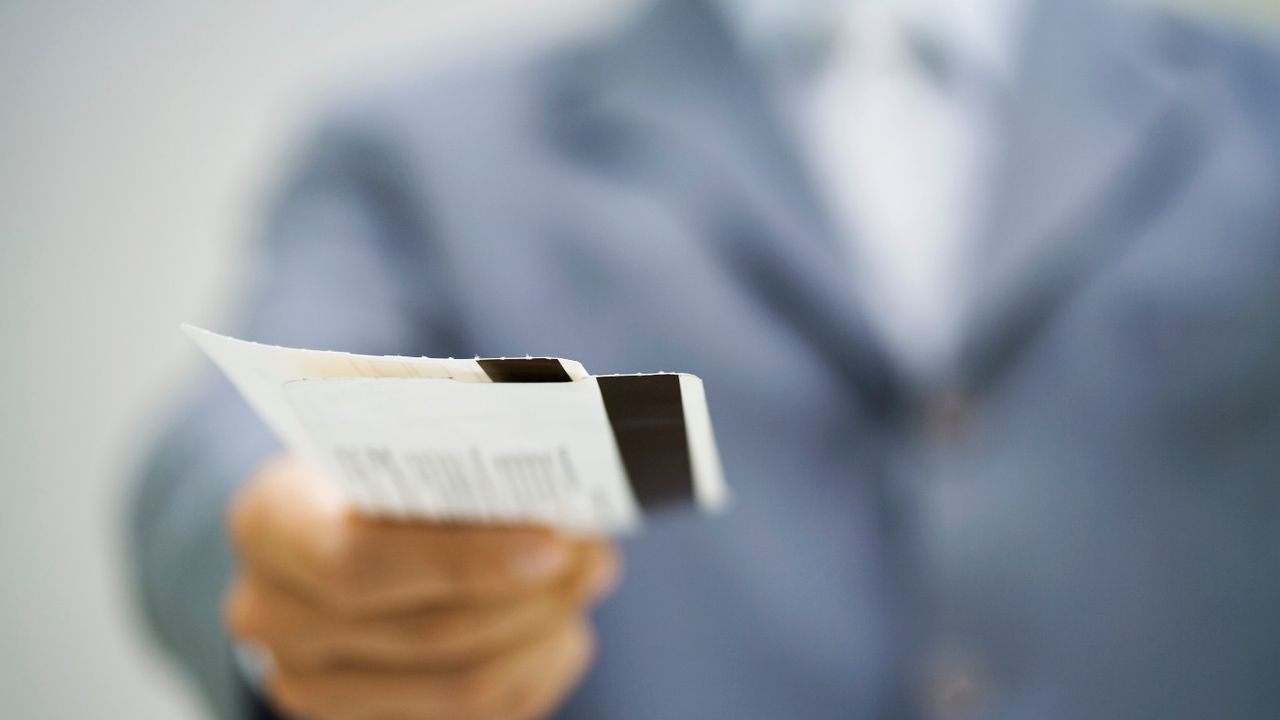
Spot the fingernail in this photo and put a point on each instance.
(536, 561)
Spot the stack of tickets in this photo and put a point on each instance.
(506, 440)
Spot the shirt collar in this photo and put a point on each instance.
(984, 34)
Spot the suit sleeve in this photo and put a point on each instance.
(344, 265)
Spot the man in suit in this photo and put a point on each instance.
(985, 302)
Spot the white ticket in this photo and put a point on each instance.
(491, 440)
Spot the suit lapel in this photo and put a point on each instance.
(672, 106)
(1096, 138)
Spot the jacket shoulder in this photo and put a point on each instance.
(488, 100)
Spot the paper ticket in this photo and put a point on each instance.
(488, 440)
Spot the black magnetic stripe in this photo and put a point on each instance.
(647, 416)
(525, 370)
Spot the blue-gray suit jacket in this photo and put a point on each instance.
(1084, 523)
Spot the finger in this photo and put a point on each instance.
(284, 527)
(539, 695)
(527, 682)
(308, 636)
(385, 565)
(601, 570)
(280, 521)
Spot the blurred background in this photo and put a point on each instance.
(136, 140)
(136, 143)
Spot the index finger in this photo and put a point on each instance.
(383, 564)
(285, 528)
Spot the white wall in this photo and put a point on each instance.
(135, 138)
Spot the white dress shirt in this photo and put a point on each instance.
(892, 102)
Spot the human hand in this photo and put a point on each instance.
(367, 619)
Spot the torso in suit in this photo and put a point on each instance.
(1081, 524)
